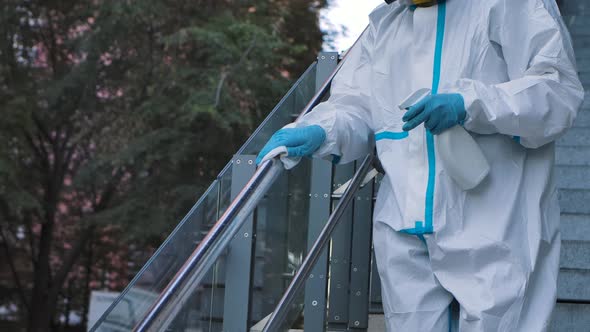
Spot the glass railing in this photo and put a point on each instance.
(250, 284)
(278, 251)
(290, 299)
(281, 228)
(204, 311)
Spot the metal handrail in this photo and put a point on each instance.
(190, 275)
(282, 309)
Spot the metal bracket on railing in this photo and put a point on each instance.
(281, 311)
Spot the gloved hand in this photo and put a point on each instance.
(300, 142)
(438, 112)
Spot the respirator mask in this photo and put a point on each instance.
(419, 3)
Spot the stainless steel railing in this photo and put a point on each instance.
(187, 279)
(179, 290)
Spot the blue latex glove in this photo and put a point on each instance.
(438, 112)
(300, 142)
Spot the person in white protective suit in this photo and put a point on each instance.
(505, 71)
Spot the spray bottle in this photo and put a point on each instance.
(459, 153)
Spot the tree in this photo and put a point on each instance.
(112, 116)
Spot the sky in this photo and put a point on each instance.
(350, 14)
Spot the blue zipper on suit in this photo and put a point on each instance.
(440, 35)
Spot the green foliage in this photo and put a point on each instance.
(116, 115)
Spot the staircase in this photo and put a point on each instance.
(342, 292)
(573, 174)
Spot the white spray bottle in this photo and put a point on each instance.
(459, 153)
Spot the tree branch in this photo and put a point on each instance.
(14, 272)
(31, 243)
(39, 151)
(69, 261)
(41, 127)
(225, 74)
(73, 254)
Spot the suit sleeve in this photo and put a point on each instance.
(346, 115)
(542, 98)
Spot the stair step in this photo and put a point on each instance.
(573, 8)
(573, 177)
(575, 227)
(573, 156)
(583, 119)
(574, 273)
(574, 201)
(575, 255)
(572, 284)
(571, 318)
(575, 137)
(579, 31)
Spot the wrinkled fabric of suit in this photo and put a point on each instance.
(495, 248)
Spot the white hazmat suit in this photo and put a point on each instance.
(495, 249)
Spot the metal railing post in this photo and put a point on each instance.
(360, 267)
(239, 260)
(319, 210)
(340, 257)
